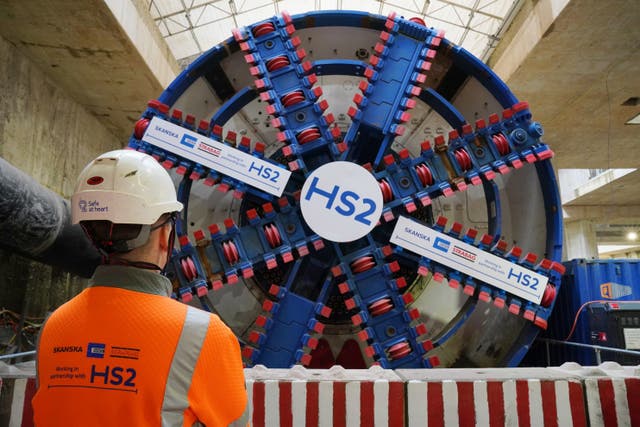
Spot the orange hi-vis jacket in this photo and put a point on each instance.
(122, 353)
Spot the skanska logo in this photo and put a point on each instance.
(67, 349)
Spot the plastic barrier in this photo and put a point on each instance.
(333, 397)
(23, 390)
(522, 397)
(613, 399)
(606, 395)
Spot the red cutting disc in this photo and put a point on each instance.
(292, 98)
(188, 268)
(273, 235)
(262, 29)
(277, 63)
(387, 192)
(230, 252)
(426, 178)
(381, 306)
(463, 159)
(308, 135)
(548, 296)
(140, 128)
(398, 351)
(185, 269)
(362, 264)
(501, 143)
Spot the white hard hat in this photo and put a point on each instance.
(124, 187)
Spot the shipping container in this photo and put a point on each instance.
(589, 283)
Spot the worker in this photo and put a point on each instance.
(123, 352)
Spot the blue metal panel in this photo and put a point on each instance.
(585, 281)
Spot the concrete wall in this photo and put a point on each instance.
(51, 137)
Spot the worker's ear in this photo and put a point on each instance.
(163, 235)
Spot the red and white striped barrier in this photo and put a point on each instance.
(613, 401)
(326, 403)
(334, 397)
(21, 411)
(496, 403)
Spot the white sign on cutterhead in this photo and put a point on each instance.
(469, 260)
(215, 155)
(341, 201)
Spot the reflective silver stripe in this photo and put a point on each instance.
(38, 351)
(243, 421)
(183, 364)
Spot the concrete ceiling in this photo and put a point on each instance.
(577, 78)
(83, 48)
(582, 80)
(614, 209)
(625, 193)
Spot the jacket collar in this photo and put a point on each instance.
(131, 278)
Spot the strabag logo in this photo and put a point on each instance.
(95, 350)
(209, 149)
(125, 352)
(464, 254)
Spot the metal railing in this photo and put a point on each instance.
(597, 349)
(16, 355)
